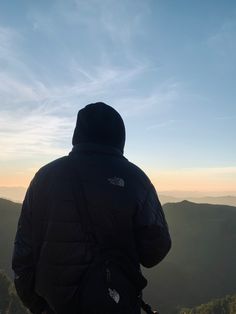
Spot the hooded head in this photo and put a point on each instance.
(101, 124)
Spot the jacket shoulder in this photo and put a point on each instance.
(139, 175)
(53, 168)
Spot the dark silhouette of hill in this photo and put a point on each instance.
(17, 193)
(200, 266)
(217, 200)
(9, 302)
(226, 305)
(13, 193)
(9, 215)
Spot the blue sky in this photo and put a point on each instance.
(167, 66)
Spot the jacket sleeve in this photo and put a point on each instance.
(22, 260)
(151, 231)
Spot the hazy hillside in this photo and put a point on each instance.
(14, 193)
(226, 305)
(9, 302)
(17, 194)
(217, 200)
(200, 266)
(9, 214)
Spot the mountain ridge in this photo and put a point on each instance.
(215, 200)
(199, 267)
(17, 193)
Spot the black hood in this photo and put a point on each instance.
(101, 124)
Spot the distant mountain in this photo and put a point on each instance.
(200, 266)
(226, 305)
(9, 214)
(13, 193)
(9, 302)
(17, 194)
(168, 199)
(217, 200)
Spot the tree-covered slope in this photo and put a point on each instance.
(9, 302)
(226, 305)
(201, 264)
(9, 214)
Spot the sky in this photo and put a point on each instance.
(167, 66)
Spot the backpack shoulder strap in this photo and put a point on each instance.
(80, 200)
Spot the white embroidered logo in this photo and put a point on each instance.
(114, 295)
(117, 181)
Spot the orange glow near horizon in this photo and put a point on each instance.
(15, 180)
(209, 179)
(215, 179)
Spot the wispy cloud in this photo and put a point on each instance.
(38, 110)
(226, 118)
(159, 100)
(27, 134)
(164, 124)
(110, 28)
(223, 40)
(38, 119)
(7, 37)
(26, 123)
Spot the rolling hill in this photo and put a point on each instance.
(200, 266)
(9, 215)
(226, 305)
(13, 193)
(9, 302)
(216, 200)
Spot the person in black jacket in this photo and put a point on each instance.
(52, 248)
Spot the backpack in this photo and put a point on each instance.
(108, 289)
(112, 284)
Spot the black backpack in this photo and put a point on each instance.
(107, 288)
(111, 284)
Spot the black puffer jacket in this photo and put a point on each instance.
(52, 246)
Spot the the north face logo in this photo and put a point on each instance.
(114, 295)
(117, 181)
